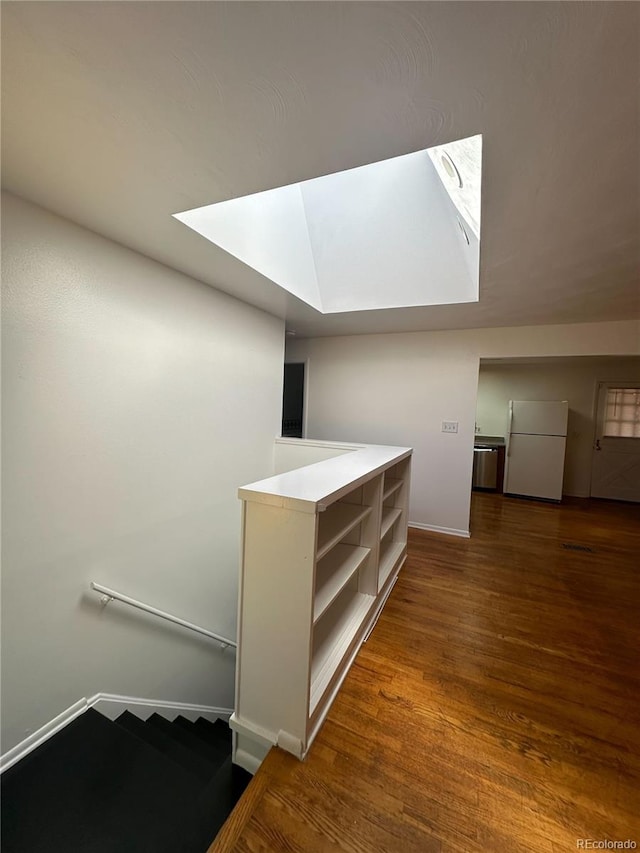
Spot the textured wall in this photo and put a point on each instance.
(135, 401)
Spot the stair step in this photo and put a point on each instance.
(214, 732)
(97, 788)
(201, 767)
(215, 751)
(187, 725)
(219, 751)
(219, 798)
(240, 778)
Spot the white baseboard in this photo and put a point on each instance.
(449, 531)
(247, 761)
(251, 743)
(111, 706)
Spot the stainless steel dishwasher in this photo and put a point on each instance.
(485, 467)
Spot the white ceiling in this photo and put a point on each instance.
(117, 115)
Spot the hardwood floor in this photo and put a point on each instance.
(495, 707)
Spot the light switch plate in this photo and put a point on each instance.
(449, 426)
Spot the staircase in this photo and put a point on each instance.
(127, 786)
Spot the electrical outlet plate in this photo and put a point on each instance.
(449, 426)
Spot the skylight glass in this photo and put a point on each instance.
(401, 232)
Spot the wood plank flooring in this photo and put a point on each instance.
(495, 707)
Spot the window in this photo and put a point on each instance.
(395, 233)
(622, 413)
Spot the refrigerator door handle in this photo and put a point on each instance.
(508, 450)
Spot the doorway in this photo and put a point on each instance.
(576, 379)
(615, 466)
(293, 400)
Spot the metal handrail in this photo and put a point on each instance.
(111, 595)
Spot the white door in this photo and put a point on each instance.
(615, 469)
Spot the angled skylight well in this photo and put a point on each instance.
(399, 233)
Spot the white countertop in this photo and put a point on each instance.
(316, 486)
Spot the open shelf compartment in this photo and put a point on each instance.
(389, 517)
(390, 552)
(391, 486)
(334, 572)
(335, 522)
(333, 635)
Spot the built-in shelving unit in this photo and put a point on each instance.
(393, 527)
(322, 546)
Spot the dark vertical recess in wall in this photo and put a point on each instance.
(293, 400)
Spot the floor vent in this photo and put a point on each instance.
(569, 546)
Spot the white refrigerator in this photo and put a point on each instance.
(534, 465)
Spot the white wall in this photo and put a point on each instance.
(135, 401)
(575, 380)
(397, 388)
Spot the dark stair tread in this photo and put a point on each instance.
(219, 752)
(240, 780)
(97, 788)
(218, 734)
(187, 725)
(214, 732)
(218, 799)
(200, 766)
(187, 732)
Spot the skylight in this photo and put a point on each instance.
(401, 232)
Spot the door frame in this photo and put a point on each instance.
(599, 385)
(305, 390)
